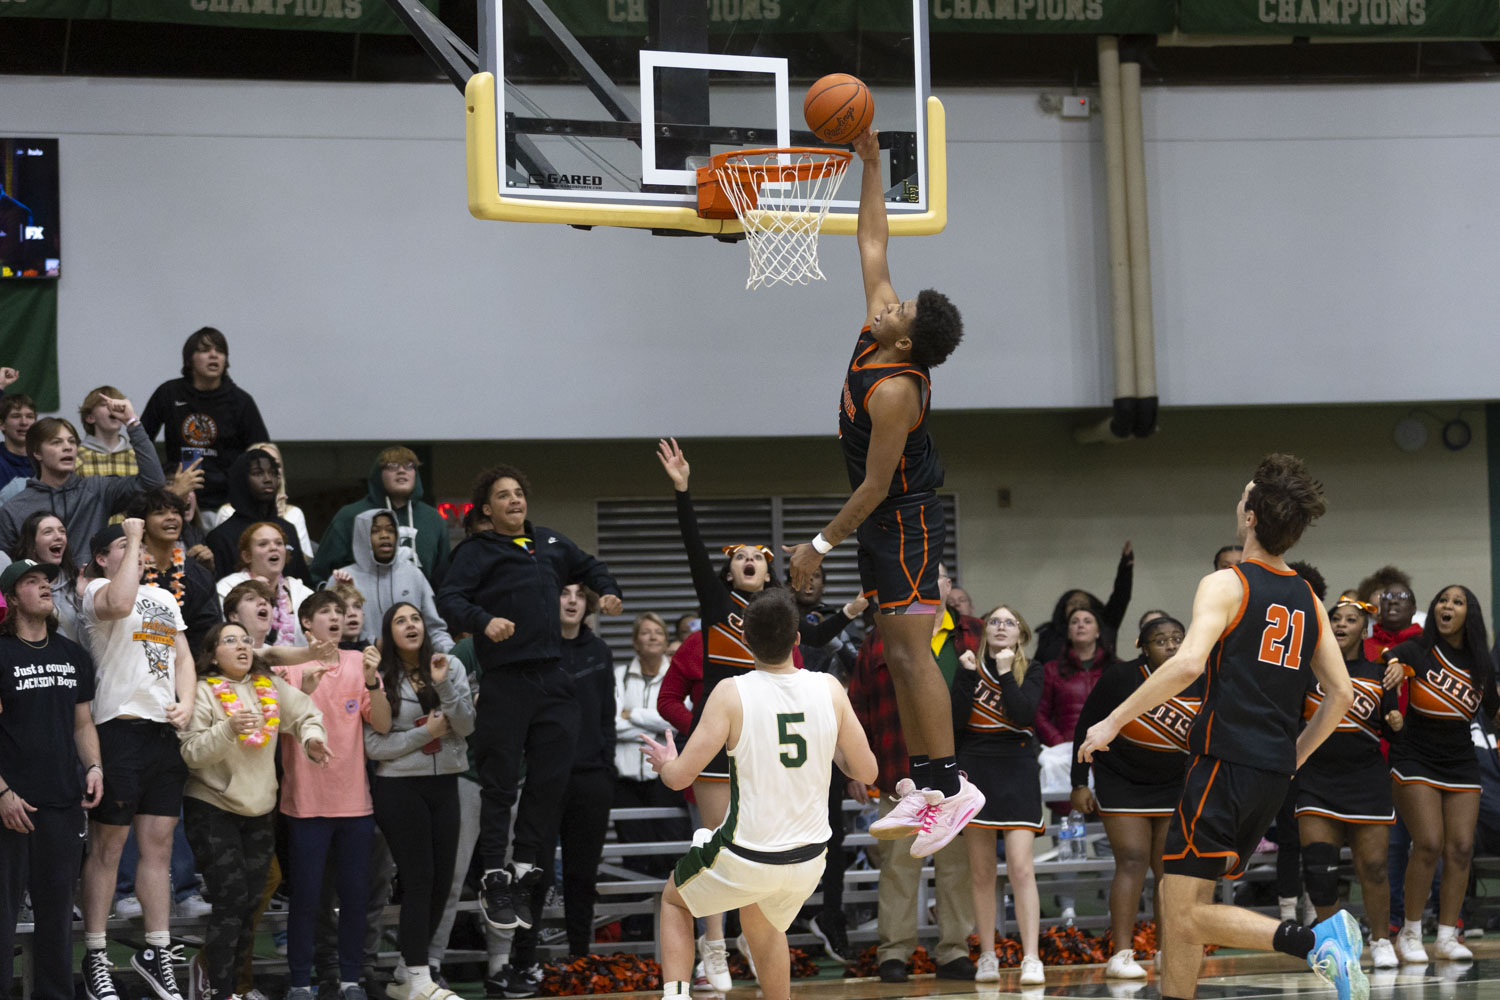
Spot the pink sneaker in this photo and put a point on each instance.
(906, 818)
(941, 823)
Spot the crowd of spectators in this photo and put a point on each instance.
(184, 661)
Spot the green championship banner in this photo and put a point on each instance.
(54, 8)
(372, 16)
(28, 337)
(607, 18)
(1361, 18)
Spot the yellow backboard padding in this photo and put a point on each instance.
(486, 202)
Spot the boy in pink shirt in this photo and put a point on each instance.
(328, 809)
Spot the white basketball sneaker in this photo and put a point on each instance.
(1122, 965)
(906, 817)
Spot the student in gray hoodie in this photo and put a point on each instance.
(84, 503)
(384, 572)
(415, 788)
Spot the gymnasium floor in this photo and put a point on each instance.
(1237, 977)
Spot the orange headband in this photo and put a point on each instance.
(730, 550)
(1351, 602)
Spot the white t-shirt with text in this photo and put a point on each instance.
(135, 656)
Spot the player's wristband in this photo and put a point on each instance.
(823, 545)
(373, 687)
(5, 791)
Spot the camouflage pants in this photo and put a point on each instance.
(234, 853)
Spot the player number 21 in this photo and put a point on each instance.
(1275, 648)
(797, 755)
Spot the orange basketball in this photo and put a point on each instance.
(838, 108)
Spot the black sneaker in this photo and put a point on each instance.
(154, 965)
(892, 970)
(832, 928)
(526, 898)
(494, 986)
(495, 900)
(959, 968)
(516, 984)
(98, 984)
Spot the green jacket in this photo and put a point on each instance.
(422, 520)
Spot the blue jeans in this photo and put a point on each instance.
(311, 843)
(184, 870)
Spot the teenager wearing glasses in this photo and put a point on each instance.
(394, 485)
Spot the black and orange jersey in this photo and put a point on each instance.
(1359, 732)
(991, 708)
(1150, 748)
(1258, 671)
(1445, 694)
(919, 470)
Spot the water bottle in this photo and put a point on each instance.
(1070, 844)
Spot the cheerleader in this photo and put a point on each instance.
(1138, 784)
(1343, 795)
(1434, 774)
(994, 705)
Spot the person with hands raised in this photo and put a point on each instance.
(328, 809)
(17, 414)
(47, 740)
(415, 788)
(503, 586)
(995, 698)
(144, 694)
(241, 714)
(85, 503)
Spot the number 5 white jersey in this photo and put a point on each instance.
(779, 771)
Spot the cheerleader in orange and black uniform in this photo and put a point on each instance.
(1343, 795)
(1138, 784)
(1434, 772)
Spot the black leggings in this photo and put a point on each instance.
(419, 817)
(234, 853)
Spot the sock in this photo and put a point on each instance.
(1293, 939)
(347, 986)
(521, 868)
(1414, 927)
(676, 988)
(1288, 906)
(1446, 933)
(920, 771)
(92, 941)
(496, 963)
(945, 775)
(158, 939)
(418, 979)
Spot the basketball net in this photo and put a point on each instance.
(781, 197)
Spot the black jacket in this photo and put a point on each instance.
(224, 540)
(592, 666)
(223, 422)
(496, 576)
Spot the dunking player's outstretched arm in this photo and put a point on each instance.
(1338, 692)
(853, 754)
(894, 406)
(1215, 604)
(720, 725)
(873, 231)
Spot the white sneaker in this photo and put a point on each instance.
(1032, 971)
(1409, 947)
(192, 907)
(743, 947)
(988, 968)
(1122, 965)
(947, 818)
(715, 955)
(1383, 955)
(906, 818)
(127, 907)
(1451, 949)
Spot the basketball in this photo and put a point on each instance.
(838, 108)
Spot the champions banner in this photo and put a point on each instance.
(1357, 18)
(371, 16)
(55, 8)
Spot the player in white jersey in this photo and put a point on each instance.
(783, 729)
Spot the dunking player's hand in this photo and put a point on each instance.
(867, 146)
(1097, 740)
(659, 754)
(803, 562)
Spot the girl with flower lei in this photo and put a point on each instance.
(240, 713)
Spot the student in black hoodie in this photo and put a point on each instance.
(205, 413)
(504, 586)
(253, 481)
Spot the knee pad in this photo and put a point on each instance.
(1320, 873)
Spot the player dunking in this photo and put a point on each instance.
(783, 729)
(894, 472)
(1258, 628)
